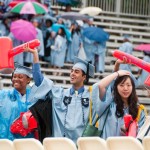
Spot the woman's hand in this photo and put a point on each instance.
(33, 51)
(123, 72)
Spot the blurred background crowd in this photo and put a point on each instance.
(62, 36)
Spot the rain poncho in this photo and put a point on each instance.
(12, 103)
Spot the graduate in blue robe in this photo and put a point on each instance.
(89, 45)
(58, 50)
(16, 100)
(126, 47)
(117, 91)
(71, 106)
(74, 44)
(100, 53)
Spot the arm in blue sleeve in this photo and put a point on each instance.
(37, 75)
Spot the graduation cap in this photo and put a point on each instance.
(19, 69)
(84, 65)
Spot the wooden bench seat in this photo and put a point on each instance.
(122, 26)
(141, 35)
(119, 39)
(122, 20)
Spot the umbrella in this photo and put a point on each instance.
(55, 27)
(91, 11)
(143, 47)
(69, 2)
(74, 16)
(8, 15)
(29, 7)
(14, 3)
(23, 30)
(47, 17)
(96, 34)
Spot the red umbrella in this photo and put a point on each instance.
(23, 30)
(29, 7)
(13, 3)
(143, 47)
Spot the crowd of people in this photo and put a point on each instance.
(70, 107)
(67, 42)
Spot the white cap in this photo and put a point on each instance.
(85, 66)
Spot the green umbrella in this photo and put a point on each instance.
(29, 7)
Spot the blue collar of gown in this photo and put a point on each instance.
(80, 90)
(22, 106)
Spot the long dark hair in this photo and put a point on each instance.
(132, 100)
(63, 33)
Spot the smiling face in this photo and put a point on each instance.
(77, 78)
(20, 81)
(125, 89)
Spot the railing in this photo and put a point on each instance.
(129, 7)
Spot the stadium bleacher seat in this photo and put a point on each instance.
(6, 144)
(28, 144)
(59, 144)
(124, 143)
(91, 143)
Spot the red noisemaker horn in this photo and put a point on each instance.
(7, 52)
(132, 60)
(135, 61)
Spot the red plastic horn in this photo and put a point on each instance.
(131, 125)
(7, 52)
(132, 60)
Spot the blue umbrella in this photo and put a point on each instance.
(55, 27)
(69, 2)
(96, 34)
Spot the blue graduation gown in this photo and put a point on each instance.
(68, 120)
(73, 47)
(58, 52)
(126, 47)
(113, 123)
(101, 52)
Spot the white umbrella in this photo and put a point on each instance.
(91, 11)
